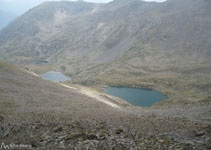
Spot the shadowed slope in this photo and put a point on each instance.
(81, 36)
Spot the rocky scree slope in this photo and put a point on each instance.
(45, 115)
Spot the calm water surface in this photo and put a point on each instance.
(55, 76)
(135, 96)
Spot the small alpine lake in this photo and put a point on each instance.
(136, 96)
(55, 76)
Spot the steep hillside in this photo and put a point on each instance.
(81, 35)
(165, 46)
(39, 114)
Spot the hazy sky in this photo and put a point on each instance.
(20, 6)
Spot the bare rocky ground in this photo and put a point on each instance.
(46, 115)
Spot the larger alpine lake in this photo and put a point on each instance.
(136, 96)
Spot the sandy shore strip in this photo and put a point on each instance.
(82, 91)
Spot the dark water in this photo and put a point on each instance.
(55, 76)
(39, 62)
(135, 96)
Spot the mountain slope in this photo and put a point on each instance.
(132, 43)
(122, 35)
(46, 115)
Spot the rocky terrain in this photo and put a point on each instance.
(79, 36)
(164, 46)
(41, 114)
